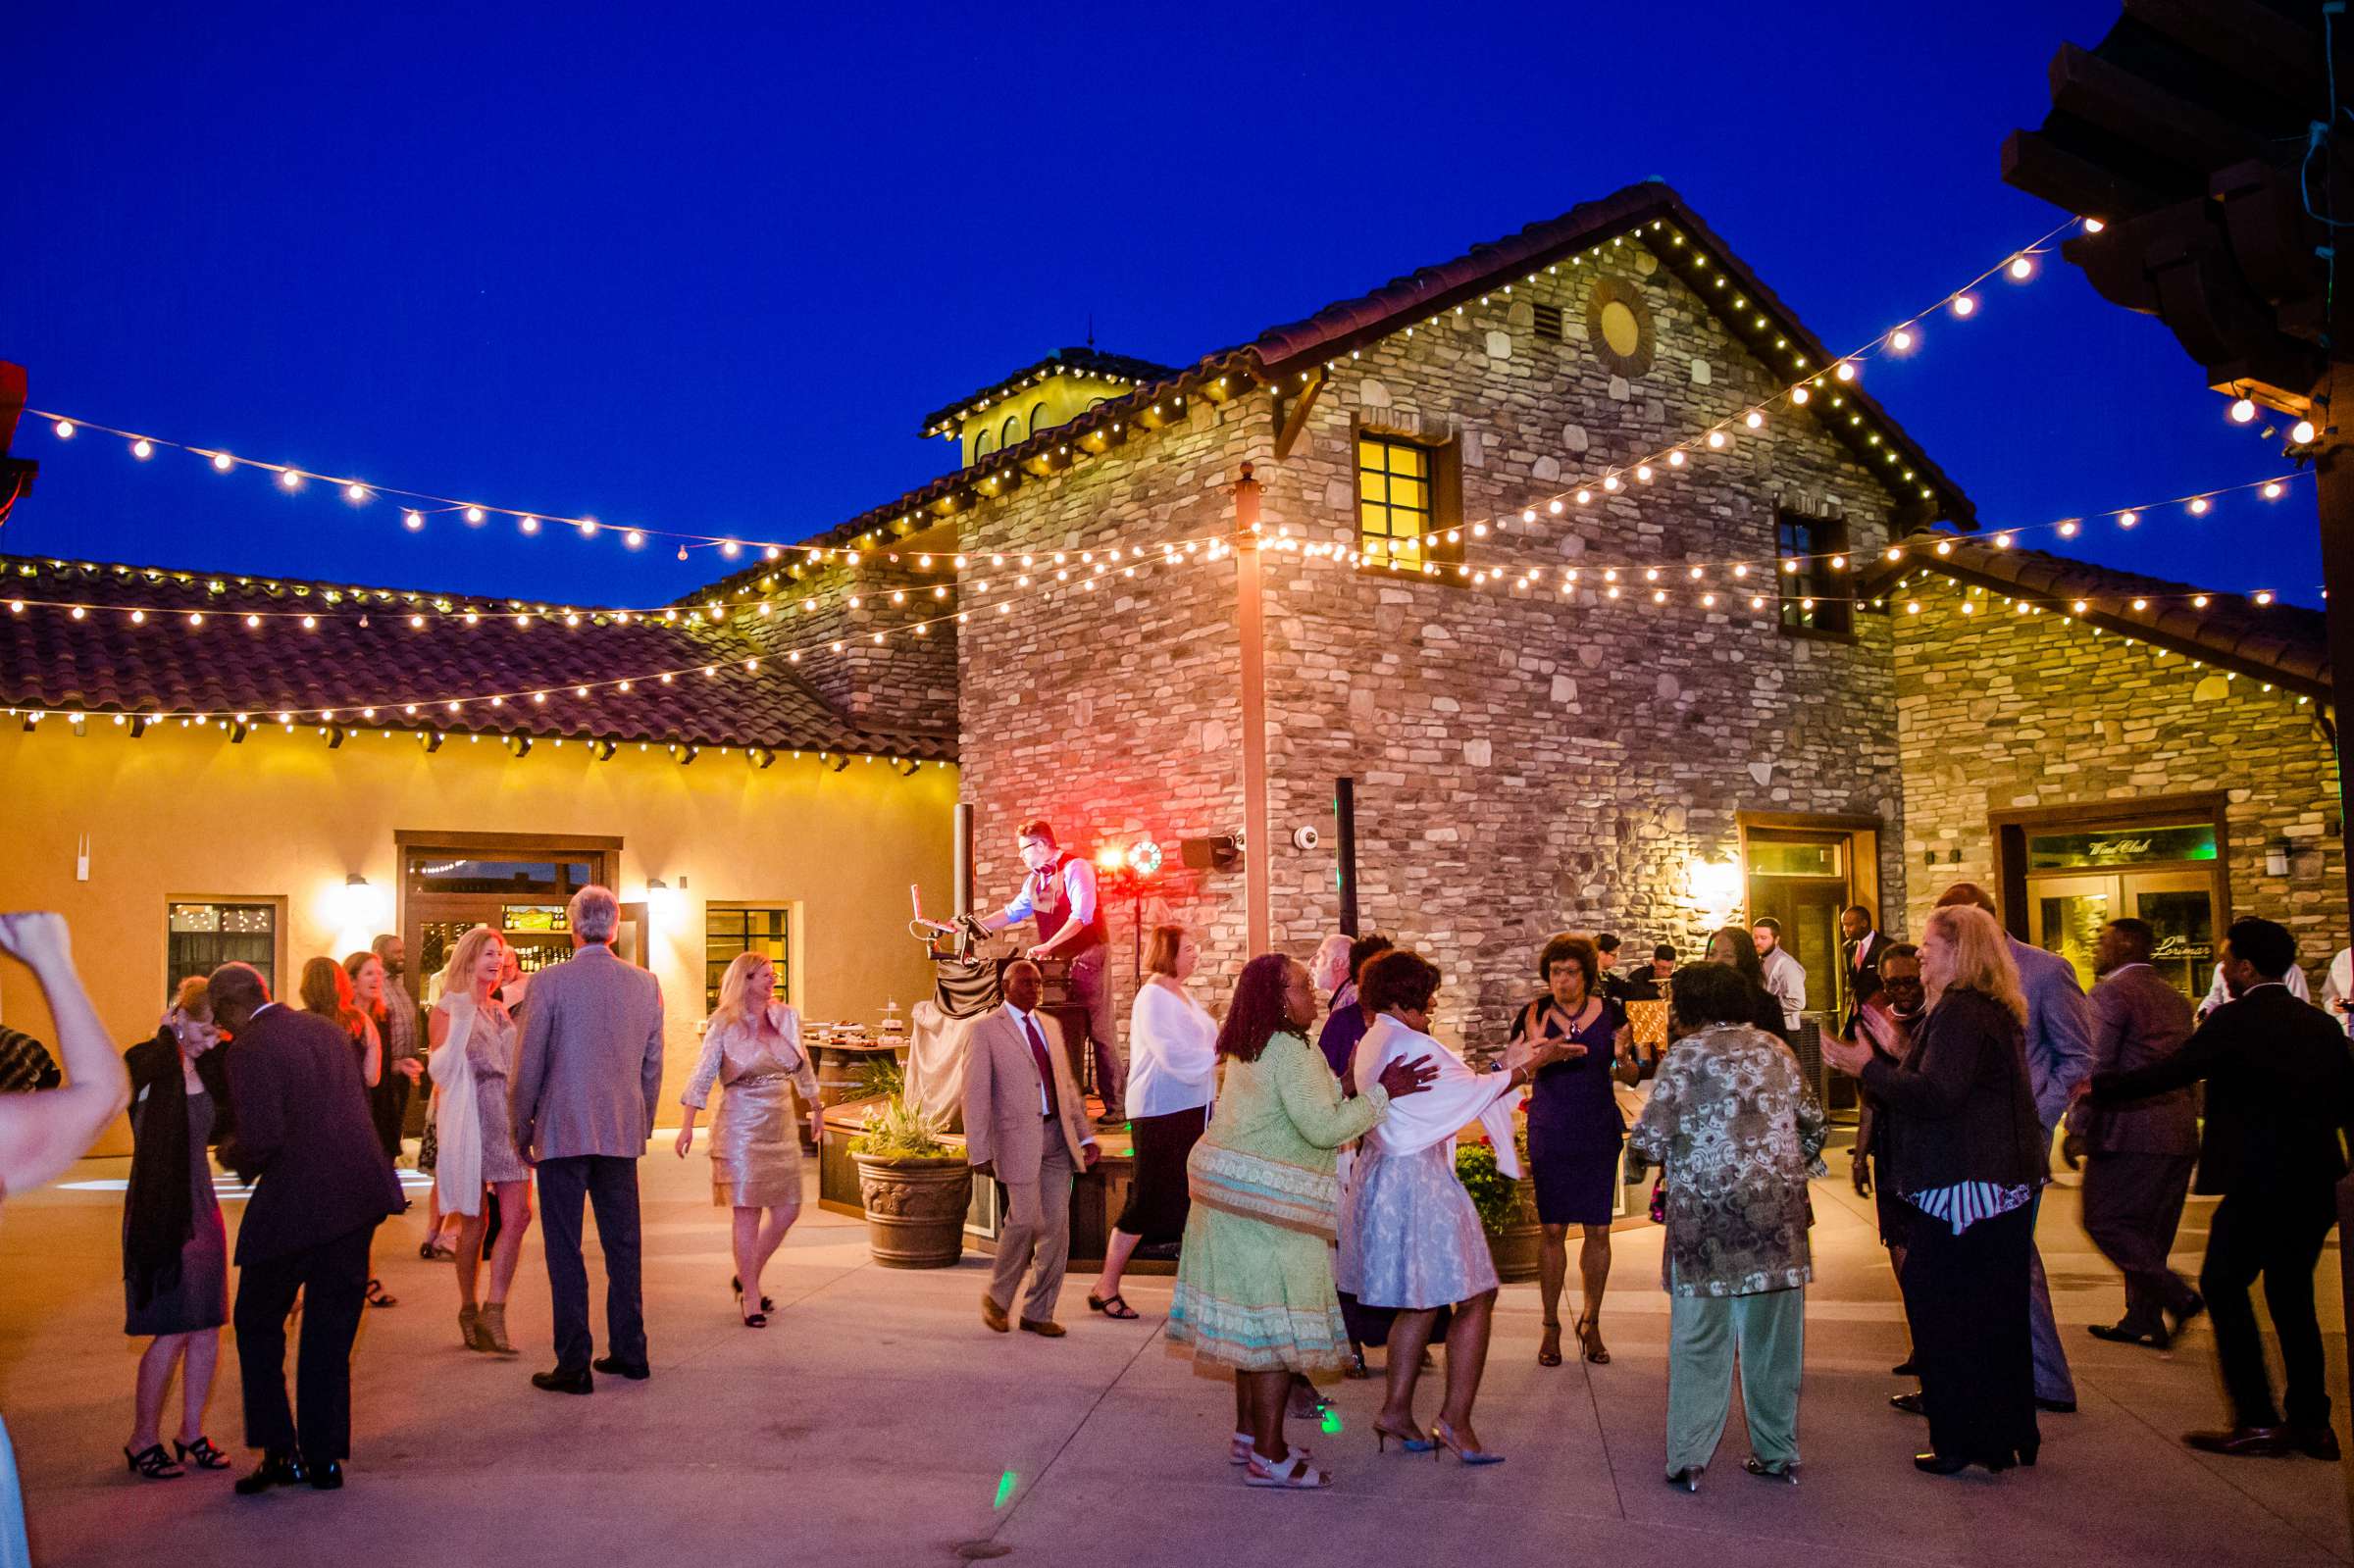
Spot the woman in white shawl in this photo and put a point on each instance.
(473, 1039)
(1410, 1239)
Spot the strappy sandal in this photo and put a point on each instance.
(377, 1296)
(201, 1454)
(151, 1463)
(1293, 1474)
(735, 1284)
(1589, 1339)
(1549, 1353)
(1113, 1305)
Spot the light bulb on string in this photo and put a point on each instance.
(2303, 433)
(143, 449)
(2243, 411)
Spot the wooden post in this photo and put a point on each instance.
(1250, 619)
(2333, 480)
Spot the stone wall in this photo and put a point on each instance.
(1524, 763)
(1999, 710)
(906, 683)
(1529, 760)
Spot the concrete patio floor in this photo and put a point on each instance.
(877, 1422)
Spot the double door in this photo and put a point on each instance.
(2065, 914)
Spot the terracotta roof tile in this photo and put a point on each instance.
(1063, 361)
(103, 663)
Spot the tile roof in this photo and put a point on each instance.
(1280, 352)
(1062, 362)
(2283, 643)
(104, 663)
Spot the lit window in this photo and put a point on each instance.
(984, 445)
(1398, 495)
(765, 930)
(1011, 434)
(200, 937)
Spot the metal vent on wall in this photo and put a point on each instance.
(1549, 322)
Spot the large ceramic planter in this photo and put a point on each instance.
(1517, 1249)
(915, 1210)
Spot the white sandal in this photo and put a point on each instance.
(1238, 1452)
(1293, 1474)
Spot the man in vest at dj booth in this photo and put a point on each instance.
(1060, 894)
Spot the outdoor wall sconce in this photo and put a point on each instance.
(336, 735)
(840, 763)
(521, 746)
(687, 754)
(431, 740)
(602, 750)
(139, 727)
(2276, 858)
(237, 735)
(1717, 886)
(910, 768)
(356, 903)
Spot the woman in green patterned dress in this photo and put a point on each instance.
(1255, 1292)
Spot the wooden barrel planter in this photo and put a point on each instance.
(914, 1210)
(1516, 1248)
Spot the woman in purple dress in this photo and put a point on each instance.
(1574, 1132)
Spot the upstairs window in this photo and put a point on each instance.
(1817, 600)
(1404, 501)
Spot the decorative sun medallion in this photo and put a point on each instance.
(1619, 327)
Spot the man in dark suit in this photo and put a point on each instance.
(2137, 1158)
(1861, 947)
(321, 1186)
(2280, 1092)
(587, 1075)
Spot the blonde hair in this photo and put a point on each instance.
(1981, 956)
(457, 975)
(1161, 948)
(194, 999)
(736, 1005)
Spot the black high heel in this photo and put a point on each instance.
(201, 1452)
(153, 1464)
(735, 1284)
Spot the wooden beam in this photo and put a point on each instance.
(2033, 163)
(2258, 43)
(2138, 111)
(1291, 420)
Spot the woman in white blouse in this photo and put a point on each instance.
(1172, 1076)
(752, 1046)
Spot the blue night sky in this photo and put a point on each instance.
(708, 275)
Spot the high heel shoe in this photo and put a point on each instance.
(1548, 1353)
(1444, 1435)
(1408, 1440)
(1589, 1339)
(490, 1329)
(153, 1464)
(735, 1284)
(204, 1456)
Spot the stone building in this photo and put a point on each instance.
(1516, 578)
(2092, 743)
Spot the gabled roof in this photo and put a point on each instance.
(2282, 644)
(1082, 362)
(1281, 354)
(364, 653)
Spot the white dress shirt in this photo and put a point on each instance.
(2220, 994)
(1786, 977)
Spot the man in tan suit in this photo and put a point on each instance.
(1026, 1125)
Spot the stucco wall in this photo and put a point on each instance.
(184, 814)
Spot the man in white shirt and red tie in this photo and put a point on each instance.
(1060, 894)
(1025, 1125)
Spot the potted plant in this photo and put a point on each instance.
(914, 1185)
(1508, 1209)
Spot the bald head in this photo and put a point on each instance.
(1968, 893)
(237, 990)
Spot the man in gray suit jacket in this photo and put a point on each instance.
(2058, 1058)
(587, 1078)
(2138, 1157)
(1025, 1124)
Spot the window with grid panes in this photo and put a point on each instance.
(727, 931)
(199, 939)
(1396, 489)
(1814, 597)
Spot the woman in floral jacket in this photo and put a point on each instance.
(1733, 1121)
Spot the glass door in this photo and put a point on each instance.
(2179, 906)
(2066, 915)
